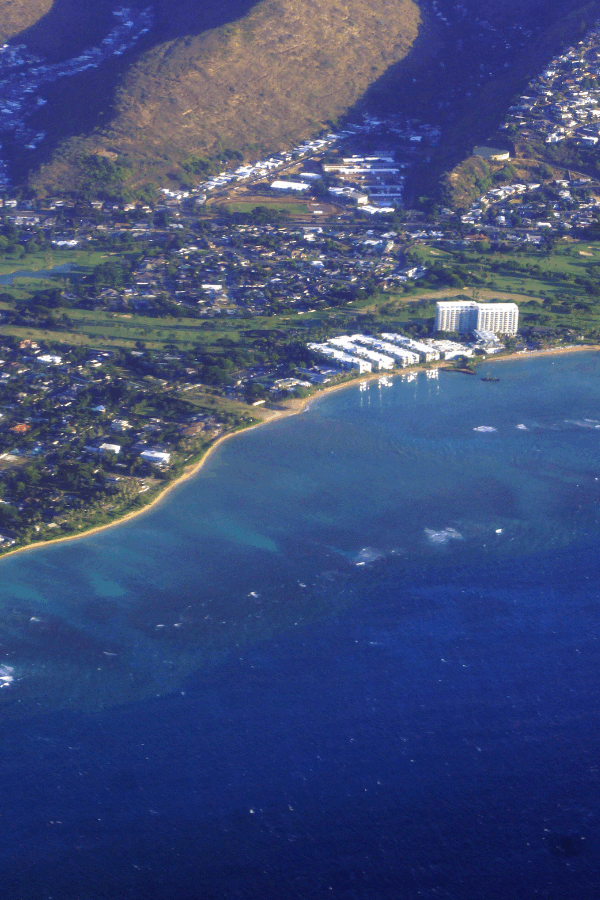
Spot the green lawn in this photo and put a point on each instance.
(109, 329)
(290, 206)
(554, 275)
(99, 328)
(48, 259)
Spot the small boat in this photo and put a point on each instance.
(490, 379)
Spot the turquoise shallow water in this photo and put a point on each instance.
(355, 657)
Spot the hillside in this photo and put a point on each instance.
(464, 73)
(466, 176)
(268, 79)
(184, 80)
(17, 15)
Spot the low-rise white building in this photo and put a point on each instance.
(290, 186)
(342, 359)
(424, 351)
(488, 341)
(403, 356)
(110, 448)
(379, 360)
(156, 457)
(452, 349)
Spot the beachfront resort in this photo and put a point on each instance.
(481, 323)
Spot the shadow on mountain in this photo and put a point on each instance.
(73, 25)
(77, 105)
(440, 81)
(69, 27)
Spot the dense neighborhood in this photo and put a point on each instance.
(68, 452)
(288, 274)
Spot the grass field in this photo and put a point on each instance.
(526, 274)
(546, 286)
(560, 289)
(44, 260)
(107, 329)
(289, 206)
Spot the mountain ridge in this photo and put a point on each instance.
(281, 71)
(256, 76)
(16, 16)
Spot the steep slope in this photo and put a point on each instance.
(17, 15)
(462, 174)
(180, 79)
(469, 63)
(265, 80)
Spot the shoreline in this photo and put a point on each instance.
(294, 407)
(551, 351)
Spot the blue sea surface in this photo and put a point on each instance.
(357, 656)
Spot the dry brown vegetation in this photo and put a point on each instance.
(17, 15)
(258, 75)
(268, 79)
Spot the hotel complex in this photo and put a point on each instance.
(464, 316)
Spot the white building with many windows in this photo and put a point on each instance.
(424, 351)
(501, 318)
(463, 316)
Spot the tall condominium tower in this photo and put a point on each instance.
(464, 316)
(501, 318)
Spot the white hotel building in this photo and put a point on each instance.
(464, 316)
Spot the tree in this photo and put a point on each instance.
(254, 391)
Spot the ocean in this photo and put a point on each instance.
(355, 657)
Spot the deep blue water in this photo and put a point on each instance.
(217, 700)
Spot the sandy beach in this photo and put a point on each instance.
(551, 351)
(288, 408)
